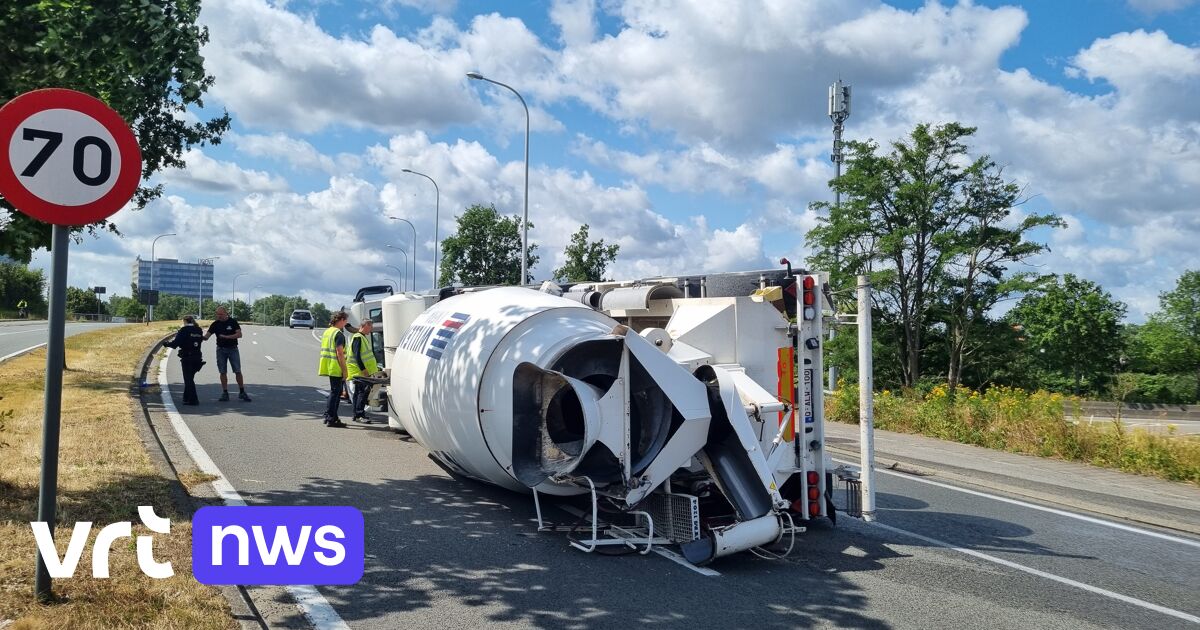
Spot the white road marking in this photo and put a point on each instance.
(308, 598)
(20, 352)
(1034, 506)
(1042, 574)
(254, 342)
(666, 553)
(313, 332)
(25, 332)
(270, 359)
(323, 392)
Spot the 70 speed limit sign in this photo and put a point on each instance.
(66, 158)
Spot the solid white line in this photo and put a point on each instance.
(666, 553)
(24, 332)
(308, 598)
(20, 352)
(270, 359)
(254, 342)
(1042, 574)
(1034, 506)
(313, 332)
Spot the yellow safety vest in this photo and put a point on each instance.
(366, 354)
(329, 365)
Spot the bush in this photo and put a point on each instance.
(1163, 388)
(1013, 419)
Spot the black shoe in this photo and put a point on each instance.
(191, 402)
(335, 424)
(242, 395)
(224, 396)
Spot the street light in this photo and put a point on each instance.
(401, 271)
(153, 264)
(414, 229)
(437, 211)
(391, 282)
(525, 217)
(233, 303)
(200, 301)
(401, 250)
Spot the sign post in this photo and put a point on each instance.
(66, 159)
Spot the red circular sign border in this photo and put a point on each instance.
(21, 108)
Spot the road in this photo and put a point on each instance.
(18, 336)
(448, 553)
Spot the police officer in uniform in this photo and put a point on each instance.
(188, 341)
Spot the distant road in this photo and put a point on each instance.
(18, 336)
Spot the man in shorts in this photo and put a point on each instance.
(228, 331)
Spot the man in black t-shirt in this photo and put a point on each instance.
(228, 331)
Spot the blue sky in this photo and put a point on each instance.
(693, 134)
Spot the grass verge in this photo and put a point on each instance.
(104, 474)
(1033, 423)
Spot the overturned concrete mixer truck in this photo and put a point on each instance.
(687, 408)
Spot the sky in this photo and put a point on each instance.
(693, 134)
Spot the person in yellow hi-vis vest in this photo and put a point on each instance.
(333, 365)
(361, 362)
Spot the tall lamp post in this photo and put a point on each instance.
(200, 301)
(401, 272)
(401, 250)
(153, 264)
(413, 284)
(437, 211)
(525, 218)
(839, 111)
(233, 303)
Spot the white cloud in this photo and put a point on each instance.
(1154, 7)
(205, 174)
(576, 20)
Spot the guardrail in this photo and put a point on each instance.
(1140, 410)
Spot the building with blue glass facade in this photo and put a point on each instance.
(188, 279)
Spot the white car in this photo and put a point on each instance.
(303, 318)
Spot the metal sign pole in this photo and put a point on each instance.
(47, 496)
(866, 400)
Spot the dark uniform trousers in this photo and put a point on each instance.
(190, 366)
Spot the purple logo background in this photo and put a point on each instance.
(309, 570)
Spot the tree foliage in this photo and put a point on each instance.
(83, 302)
(1072, 327)
(17, 282)
(320, 314)
(172, 306)
(586, 260)
(141, 58)
(930, 226)
(1169, 342)
(127, 307)
(485, 249)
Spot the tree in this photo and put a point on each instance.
(172, 306)
(83, 302)
(141, 58)
(1169, 342)
(127, 307)
(485, 250)
(320, 314)
(1073, 328)
(586, 261)
(925, 222)
(17, 283)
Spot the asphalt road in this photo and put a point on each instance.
(18, 336)
(447, 553)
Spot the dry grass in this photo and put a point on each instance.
(104, 474)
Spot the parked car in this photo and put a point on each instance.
(302, 318)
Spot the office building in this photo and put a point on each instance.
(188, 279)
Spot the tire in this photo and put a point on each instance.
(290, 326)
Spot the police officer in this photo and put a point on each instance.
(188, 340)
(333, 365)
(361, 362)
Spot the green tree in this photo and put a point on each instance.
(485, 250)
(927, 223)
(320, 314)
(1169, 342)
(141, 58)
(173, 307)
(1073, 330)
(18, 282)
(586, 260)
(129, 308)
(83, 302)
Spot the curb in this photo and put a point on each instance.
(241, 606)
(922, 468)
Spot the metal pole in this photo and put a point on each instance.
(233, 303)
(153, 264)
(525, 216)
(413, 284)
(402, 285)
(52, 404)
(866, 400)
(437, 212)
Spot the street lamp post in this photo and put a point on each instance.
(153, 264)
(525, 218)
(233, 303)
(391, 282)
(401, 250)
(437, 211)
(401, 272)
(200, 301)
(413, 284)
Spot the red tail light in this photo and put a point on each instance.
(813, 478)
(814, 508)
(814, 493)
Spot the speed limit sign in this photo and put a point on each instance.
(66, 158)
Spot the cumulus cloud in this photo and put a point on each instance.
(203, 173)
(1154, 7)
